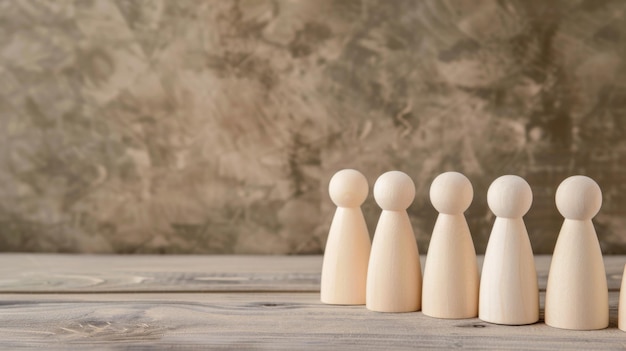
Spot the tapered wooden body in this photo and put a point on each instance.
(450, 285)
(508, 286)
(577, 295)
(394, 277)
(622, 303)
(344, 269)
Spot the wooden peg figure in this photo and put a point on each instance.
(394, 276)
(344, 270)
(450, 286)
(508, 287)
(621, 320)
(577, 296)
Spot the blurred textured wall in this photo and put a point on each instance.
(214, 126)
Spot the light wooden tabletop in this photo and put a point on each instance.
(236, 302)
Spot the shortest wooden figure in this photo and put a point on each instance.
(394, 276)
(344, 270)
(508, 287)
(577, 296)
(621, 323)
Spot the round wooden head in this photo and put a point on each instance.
(509, 196)
(579, 197)
(394, 191)
(348, 188)
(451, 193)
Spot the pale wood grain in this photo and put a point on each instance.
(150, 273)
(451, 280)
(262, 321)
(508, 286)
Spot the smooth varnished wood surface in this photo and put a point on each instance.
(236, 302)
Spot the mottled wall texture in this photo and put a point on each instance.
(214, 126)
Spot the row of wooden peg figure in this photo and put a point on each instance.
(386, 276)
